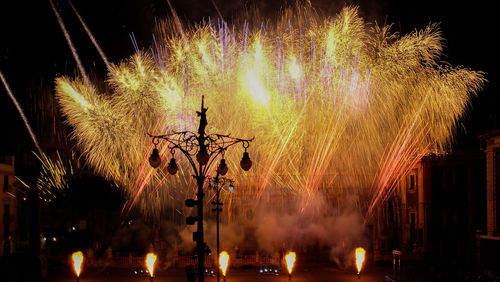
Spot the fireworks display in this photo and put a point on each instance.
(337, 107)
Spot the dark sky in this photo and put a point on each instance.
(33, 49)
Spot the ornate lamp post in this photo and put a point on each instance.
(206, 148)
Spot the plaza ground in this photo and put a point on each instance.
(25, 269)
(302, 273)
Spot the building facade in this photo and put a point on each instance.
(492, 150)
(435, 211)
(488, 238)
(8, 209)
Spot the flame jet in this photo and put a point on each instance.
(77, 258)
(150, 264)
(290, 262)
(360, 258)
(224, 262)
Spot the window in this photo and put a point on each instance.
(5, 183)
(6, 160)
(449, 179)
(496, 173)
(413, 181)
(413, 226)
(390, 211)
(6, 218)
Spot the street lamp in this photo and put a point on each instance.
(205, 148)
(218, 182)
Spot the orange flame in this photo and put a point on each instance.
(150, 262)
(223, 262)
(290, 261)
(360, 258)
(77, 262)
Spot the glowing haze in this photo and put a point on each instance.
(337, 107)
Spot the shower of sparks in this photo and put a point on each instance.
(338, 106)
(54, 175)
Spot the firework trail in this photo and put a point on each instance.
(338, 107)
(91, 36)
(21, 112)
(70, 44)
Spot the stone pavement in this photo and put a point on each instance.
(320, 273)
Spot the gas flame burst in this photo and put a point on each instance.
(290, 261)
(77, 258)
(150, 263)
(223, 262)
(360, 258)
(338, 106)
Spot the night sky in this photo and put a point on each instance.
(33, 50)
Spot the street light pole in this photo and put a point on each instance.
(218, 182)
(206, 148)
(217, 210)
(199, 231)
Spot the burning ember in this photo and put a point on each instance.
(223, 262)
(290, 261)
(77, 262)
(150, 262)
(360, 258)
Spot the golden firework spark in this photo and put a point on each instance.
(54, 174)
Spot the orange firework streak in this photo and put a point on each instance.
(290, 261)
(77, 263)
(360, 258)
(224, 262)
(150, 263)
